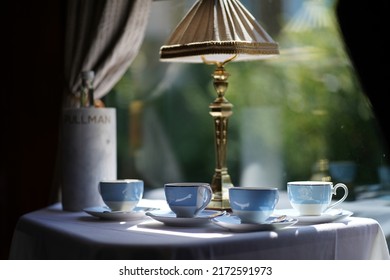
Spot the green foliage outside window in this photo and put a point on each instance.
(312, 85)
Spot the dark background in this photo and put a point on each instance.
(33, 38)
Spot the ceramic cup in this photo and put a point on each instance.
(186, 200)
(253, 205)
(312, 198)
(121, 195)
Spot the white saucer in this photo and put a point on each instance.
(233, 223)
(169, 218)
(106, 213)
(329, 216)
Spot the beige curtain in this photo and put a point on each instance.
(103, 36)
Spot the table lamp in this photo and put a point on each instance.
(217, 32)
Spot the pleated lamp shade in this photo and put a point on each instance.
(218, 29)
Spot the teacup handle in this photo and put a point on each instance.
(206, 199)
(334, 191)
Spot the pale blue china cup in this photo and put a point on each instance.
(253, 205)
(312, 198)
(121, 195)
(187, 200)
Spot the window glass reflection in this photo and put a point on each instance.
(302, 115)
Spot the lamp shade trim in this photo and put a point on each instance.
(231, 47)
(248, 49)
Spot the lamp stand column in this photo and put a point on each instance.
(220, 110)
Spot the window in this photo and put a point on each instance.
(291, 115)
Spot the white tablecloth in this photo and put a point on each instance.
(374, 208)
(51, 233)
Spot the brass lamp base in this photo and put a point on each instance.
(220, 184)
(220, 110)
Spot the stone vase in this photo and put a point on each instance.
(88, 155)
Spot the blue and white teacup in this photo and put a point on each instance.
(312, 198)
(186, 200)
(253, 204)
(121, 195)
